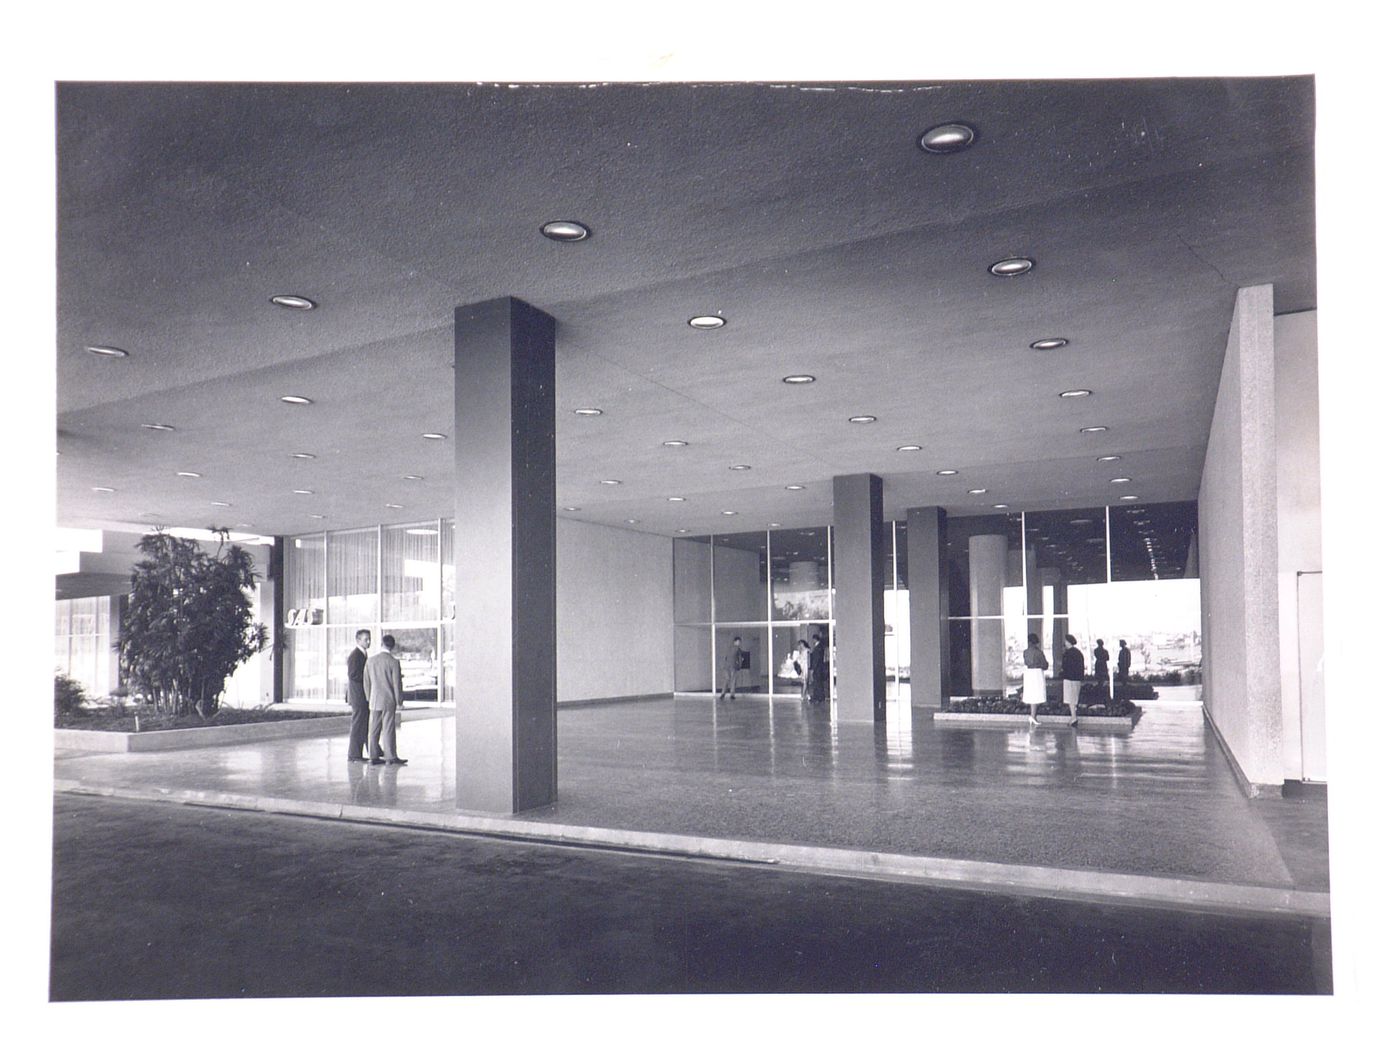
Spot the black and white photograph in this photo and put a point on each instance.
(724, 541)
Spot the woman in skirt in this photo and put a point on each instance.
(1033, 688)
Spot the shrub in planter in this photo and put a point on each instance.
(188, 623)
(1004, 705)
(68, 695)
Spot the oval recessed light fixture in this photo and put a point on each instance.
(861, 419)
(706, 322)
(411, 477)
(294, 302)
(999, 506)
(107, 351)
(740, 466)
(1109, 459)
(1012, 267)
(295, 399)
(394, 506)
(1075, 393)
(775, 524)
(433, 436)
(633, 521)
(1119, 481)
(675, 499)
(318, 516)
(675, 443)
(188, 474)
(565, 230)
(588, 411)
(947, 138)
(102, 488)
(976, 492)
(303, 455)
(156, 426)
(910, 448)
(682, 531)
(1049, 344)
(302, 492)
(799, 380)
(947, 473)
(219, 503)
(1081, 521)
(794, 488)
(1092, 430)
(729, 513)
(611, 481)
(1128, 497)
(571, 509)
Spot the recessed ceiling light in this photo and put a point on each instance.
(706, 322)
(588, 411)
(861, 419)
(1082, 521)
(682, 531)
(303, 455)
(295, 399)
(102, 488)
(294, 302)
(741, 466)
(565, 230)
(1049, 344)
(1109, 459)
(317, 515)
(411, 477)
(799, 380)
(632, 521)
(1128, 497)
(794, 488)
(188, 474)
(302, 492)
(976, 492)
(156, 426)
(910, 448)
(947, 473)
(675, 444)
(219, 503)
(107, 351)
(675, 499)
(611, 481)
(1092, 430)
(775, 524)
(947, 138)
(1075, 393)
(394, 506)
(1012, 267)
(729, 513)
(1119, 481)
(571, 509)
(435, 437)
(998, 506)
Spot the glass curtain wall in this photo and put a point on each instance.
(386, 579)
(83, 642)
(768, 589)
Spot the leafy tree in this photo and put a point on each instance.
(188, 622)
(68, 695)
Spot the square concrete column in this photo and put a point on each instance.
(929, 684)
(504, 555)
(859, 538)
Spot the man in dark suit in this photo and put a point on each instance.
(358, 701)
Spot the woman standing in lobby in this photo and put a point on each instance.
(1033, 684)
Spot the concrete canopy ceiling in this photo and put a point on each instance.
(804, 214)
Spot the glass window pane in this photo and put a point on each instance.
(984, 563)
(412, 580)
(741, 576)
(449, 570)
(693, 661)
(352, 568)
(306, 579)
(801, 574)
(691, 581)
(752, 674)
(1154, 541)
(449, 663)
(417, 650)
(306, 663)
(1067, 546)
(1159, 619)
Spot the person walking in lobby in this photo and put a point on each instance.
(818, 671)
(733, 664)
(1033, 684)
(384, 682)
(1125, 661)
(1101, 667)
(1072, 671)
(355, 697)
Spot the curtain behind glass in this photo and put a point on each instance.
(412, 577)
(352, 571)
(306, 573)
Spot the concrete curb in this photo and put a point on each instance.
(1063, 883)
(1019, 721)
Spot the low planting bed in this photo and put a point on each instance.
(1008, 710)
(114, 718)
(115, 727)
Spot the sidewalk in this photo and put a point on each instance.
(1152, 815)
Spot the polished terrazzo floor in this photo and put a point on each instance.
(1156, 800)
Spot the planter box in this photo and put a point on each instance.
(204, 736)
(1020, 721)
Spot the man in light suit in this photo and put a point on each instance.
(384, 683)
(358, 701)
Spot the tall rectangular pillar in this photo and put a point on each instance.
(986, 558)
(859, 650)
(504, 555)
(929, 683)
